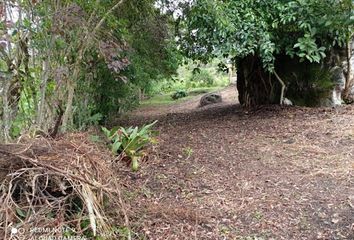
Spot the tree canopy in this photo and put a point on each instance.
(307, 29)
(256, 33)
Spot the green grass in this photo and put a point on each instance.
(203, 90)
(162, 99)
(165, 99)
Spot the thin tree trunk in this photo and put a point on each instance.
(349, 81)
(69, 103)
(7, 78)
(43, 88)
(282, 88)
(6, 115)
(231, 72)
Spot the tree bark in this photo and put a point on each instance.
(6, 112)
(43, 88)
(67, 117)
(349, 81)
(253, 85)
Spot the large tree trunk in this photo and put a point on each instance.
(305, 84)
(254, 83)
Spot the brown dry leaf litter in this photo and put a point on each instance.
(271, 173)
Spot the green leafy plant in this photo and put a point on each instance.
(179, 94)
(308, 49)
(188, 151)
(131, 141)
(201, 78)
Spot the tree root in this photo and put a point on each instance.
(282, 88)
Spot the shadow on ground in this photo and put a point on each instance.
(224, 172)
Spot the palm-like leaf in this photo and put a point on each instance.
(131, 141)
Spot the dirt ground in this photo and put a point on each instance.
(229, 96)
(223, 172)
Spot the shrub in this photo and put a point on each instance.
(179, 94)
(201, 78)
(130, 141)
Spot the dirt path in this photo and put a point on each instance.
(225, 173)
(228, 94)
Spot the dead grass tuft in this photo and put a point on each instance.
(59, 187)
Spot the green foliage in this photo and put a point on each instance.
(165, 99)
(152, 57)
(201, 78)
(182, 80)
(309, 50)
(188, 151)
(159, 99)
(257, 32)
(236, 29)
(85, 225)
(106, 53)
(154, 54)
(179, 94)
(131, 141)
(21, 213)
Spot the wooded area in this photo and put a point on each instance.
(69, 64)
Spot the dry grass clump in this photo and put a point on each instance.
(62, 187)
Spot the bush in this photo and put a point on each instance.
(201, 78)
(179, 94)
(130, 142)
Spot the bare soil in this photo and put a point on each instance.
(223, 172)
(229, 96)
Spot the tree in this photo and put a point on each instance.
(348, 8)
(256, 33)
(69, 64)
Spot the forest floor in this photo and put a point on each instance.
(223, 172)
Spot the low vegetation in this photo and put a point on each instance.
(179, 94)
(130, 143)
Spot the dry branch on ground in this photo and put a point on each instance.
(57, 188)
